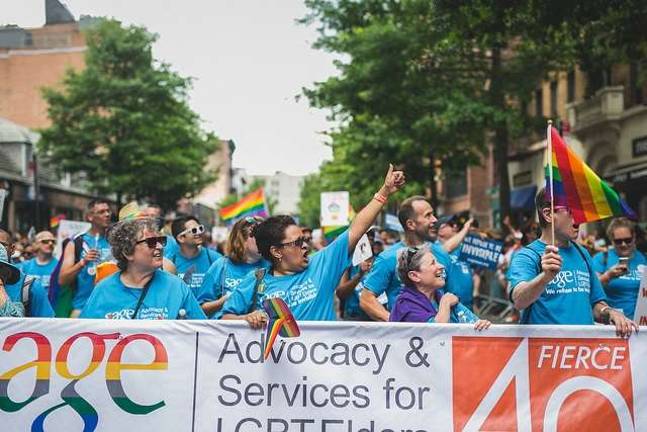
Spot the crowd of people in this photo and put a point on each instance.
(144, 268)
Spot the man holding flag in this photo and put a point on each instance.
(551, 279)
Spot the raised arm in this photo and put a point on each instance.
(393, 182)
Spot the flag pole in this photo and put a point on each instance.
(550, 176)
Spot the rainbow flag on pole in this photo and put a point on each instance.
(577, 187)
(252, 204)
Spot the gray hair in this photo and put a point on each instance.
(123, 238)
(408, 260)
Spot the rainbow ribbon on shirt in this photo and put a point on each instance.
(281, 321)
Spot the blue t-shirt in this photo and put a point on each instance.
(569, 297)
(462, 282)
(39, 305)
(383, 276)
(309, 294)
(223, 277)
(85, 278)
(197, 265)
(166, 296)
(40, 271)
(351, 303)
(622, 292)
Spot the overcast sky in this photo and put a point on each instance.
(249, 59)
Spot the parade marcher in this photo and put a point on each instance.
(225, 274)
(422, 298)
(9, 274)
(82, 255)
(43, 264)
(350, 287)
(620, 268)
(26, 292)
(556, 284)
(381, 285)
(306, 284)
(141, 289)
(191, 258)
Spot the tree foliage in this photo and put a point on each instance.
(124, 121)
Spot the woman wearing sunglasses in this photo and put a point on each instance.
(422, 298)
(191, 258)
(226, 274)
(141, 289)
(306, 283)
(621, 267)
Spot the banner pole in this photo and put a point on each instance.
(549, 158)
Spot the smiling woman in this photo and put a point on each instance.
(141, 290)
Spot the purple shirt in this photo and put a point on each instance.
(413, 306)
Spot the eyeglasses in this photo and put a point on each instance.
(195, 230)
(152, 242)
(48, 241)
(296, 243)
(623, 241)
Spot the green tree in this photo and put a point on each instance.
(124, 121)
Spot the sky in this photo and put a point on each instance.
(249, 59)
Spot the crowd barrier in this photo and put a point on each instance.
(87, 375)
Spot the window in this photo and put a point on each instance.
(455, 185)
(570, 97)
(539, 102)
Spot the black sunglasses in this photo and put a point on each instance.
(152, 242)
(623, 241)
(411, 252)
(48, 241)
(296, 243)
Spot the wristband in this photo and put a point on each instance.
(380, 198)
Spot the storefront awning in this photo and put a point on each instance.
(523, 197)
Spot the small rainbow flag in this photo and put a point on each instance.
(577, 187)
(333, 231)
(55, 220)
(252, 204)
(281, 321)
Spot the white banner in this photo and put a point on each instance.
(68, 229)
(335, 208)
(87, 375)
(640, 314)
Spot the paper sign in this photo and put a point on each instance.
(68, 229)
(391, 222)
(362, 251)
(640, 315)
(481, 252)
(334, 208)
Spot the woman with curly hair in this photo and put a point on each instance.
(141, 289)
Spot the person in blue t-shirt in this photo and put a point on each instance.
(556, 284)
(37, 304)
(350, 286)
(43, 263)
(95, 250)
(306, 284)
(191, 258)
(620, 269)
(226, 274)
(382, 284)
(141, 289)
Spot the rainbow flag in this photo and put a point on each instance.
(55, 220)
(281, 321)
(577, 187)
(333, 231)
(252, 204)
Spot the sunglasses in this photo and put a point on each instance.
(195, 230)
(623, 241)
(48, 241)
(152, 242)
(411, 252)
(296, 243)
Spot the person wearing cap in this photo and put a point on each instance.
(422, 298)
(350, 286)
(43, 264)
(191, 258)
(552, 281)
(381, 285)
(140, 289)
(23, 290)
(225, 274)
(451, 238)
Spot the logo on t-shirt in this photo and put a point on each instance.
(569, 281)
(536, 384)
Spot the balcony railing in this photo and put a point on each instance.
(606, 105)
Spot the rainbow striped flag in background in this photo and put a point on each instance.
(252, 204)
(331, 232)
(577, 187)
